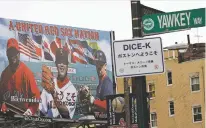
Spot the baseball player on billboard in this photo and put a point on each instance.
(18, 81)
(104, 88)
(59, 94)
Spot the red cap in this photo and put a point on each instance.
(12, 43)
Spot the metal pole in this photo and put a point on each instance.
(127, 106)
(113, 76)
(139, 83)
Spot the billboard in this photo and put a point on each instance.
(54, 71)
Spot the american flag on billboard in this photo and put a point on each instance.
(29, 47)
(59, 43)
(38, 44)
(77, 51)
(37, 38)
(46, 49)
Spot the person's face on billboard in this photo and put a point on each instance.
(62, 70)
(101, 69)
(13, 58)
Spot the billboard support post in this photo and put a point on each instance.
(127, 106)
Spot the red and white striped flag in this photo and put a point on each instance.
(28, 47)
(77, 52)
(46, 49)
(76, 57)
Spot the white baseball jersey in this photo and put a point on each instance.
(67, 95)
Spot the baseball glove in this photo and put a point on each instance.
(47, 79)
(84, 94)
(84, 98)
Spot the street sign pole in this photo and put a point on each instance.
(140, 81)
(127, 106)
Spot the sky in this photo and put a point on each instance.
(108, 15)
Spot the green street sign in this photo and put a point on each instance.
(173, 21)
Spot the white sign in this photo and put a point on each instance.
(138, 57)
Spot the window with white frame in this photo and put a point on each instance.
(195, 83)
(171, 108)
(168, 53)
(153, 120)
(197, 115)
(169, 77)
(151, 90)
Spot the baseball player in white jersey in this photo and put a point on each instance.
(58, 98)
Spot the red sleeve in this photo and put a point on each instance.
(1, 88)
(2, 83)
(101, 103)
(33, 90)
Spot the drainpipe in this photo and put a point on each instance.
(204, 89)
(203, 76)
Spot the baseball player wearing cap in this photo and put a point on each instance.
(105, 86)
(18, 80)
(61, 102)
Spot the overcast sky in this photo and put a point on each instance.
(99, 14)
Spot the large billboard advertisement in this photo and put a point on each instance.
(54, 71)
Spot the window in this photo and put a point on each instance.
(174, 54)
(169, 77)
(197, 115)
(195, 84)
(153, 120)
(151, 90)
(168, 53)
(171, 108)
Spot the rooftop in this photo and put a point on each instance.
(177, 46)
(191, 52)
